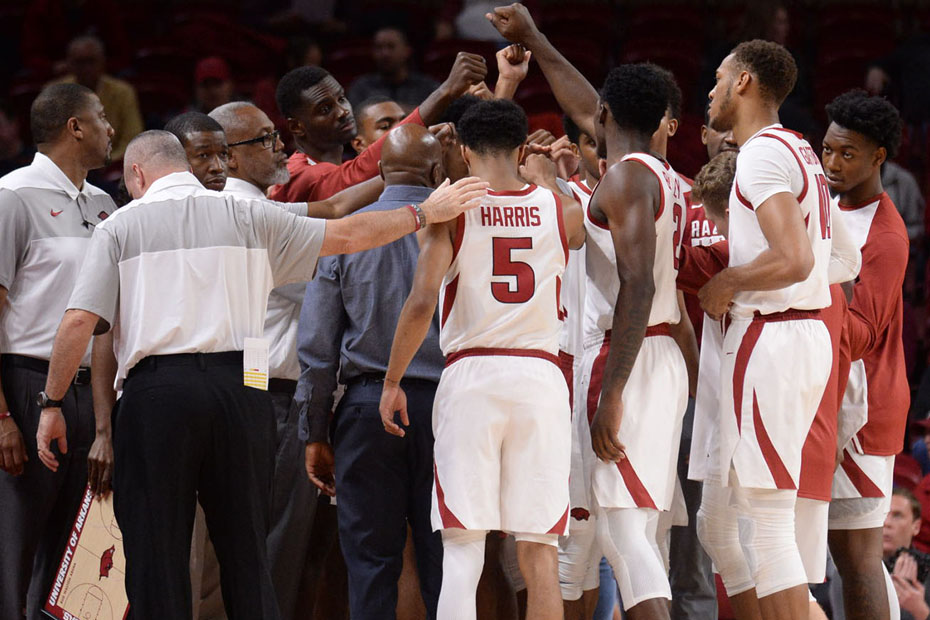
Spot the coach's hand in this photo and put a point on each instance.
(604, 430)
(100, 464)
(447, 201)
(467, 70)
(12, 447)
(717, 295)
(515, 23)
(393, 400)
(318, 460)
(51, 427)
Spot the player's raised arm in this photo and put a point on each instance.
(626, 200)
(432, 264)
(541, 170)
(574, 93)
(467, 70)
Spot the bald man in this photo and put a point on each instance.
(191, 424)
(346, 325)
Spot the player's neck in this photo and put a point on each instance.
(859, 194)
(329, 154)
(623, 142)
(589, 179)
(499, 172)
(659, 145)
(756, 118)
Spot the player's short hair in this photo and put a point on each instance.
(496, 126)
(872, 116)
(52, 108)
(571, 129)
(637, 96)
(771, 64)
(911, 499)
(457, 108)
(293, 84)
(183, 125)
(674, 92)
(367, 103)
(713, 183)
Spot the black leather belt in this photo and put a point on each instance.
(373, 378)
(201, 360)
(82, 377)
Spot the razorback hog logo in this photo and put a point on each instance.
(580, 514)
(102, 215)
(106, 562)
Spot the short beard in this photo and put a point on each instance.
(280, 176)
(724, 119)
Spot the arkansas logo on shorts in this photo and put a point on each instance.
(102, 215)
(580, 514)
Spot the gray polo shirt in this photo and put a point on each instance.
(43, 239)
(185, 269)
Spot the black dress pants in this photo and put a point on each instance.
(186, 427)
(382, 483)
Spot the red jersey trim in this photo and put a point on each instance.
(459, 235)
(796, 158)
(634, 485)
(594, 221)
(583, 186)
(448, 518)
(776, 466)
(448, 299)
(789, 315)
(559, 527)
(493, 352)
(597, 378)
(864, 203)
(518, 192)
(860, 480)
(658, 178)
(741, 198)
(560, 216)
(794, 133)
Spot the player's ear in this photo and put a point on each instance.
(521, 153)
(742, 82)
(437, 175)
(296, 127)
(672, 127)
(879, 156)
(465, 152)
(232, 162)
(704, 135)
(380, 169)
(602, 114)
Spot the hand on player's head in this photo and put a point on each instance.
(467, 70)
(448, 201)
(514, 22)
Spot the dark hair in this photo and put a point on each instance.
(52, 108)
(295, 82)
(713, 183)
(183, 125)
(457, 108)
(494, 126)
(370, 101)
(674, 92)
(637, 96)
(771, 64)
(571, 129)
(913, 501)
(873, 117)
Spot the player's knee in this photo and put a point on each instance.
(768, 537)
(463, 554)
(538, 557)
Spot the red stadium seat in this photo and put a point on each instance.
(907, 472)
(550, 121)
(537, 98)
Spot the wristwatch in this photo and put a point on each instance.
(44, 402)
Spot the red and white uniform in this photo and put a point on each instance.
(656, 392)
(698, 231)
(874, 409)
(776, 352)
(501, 418)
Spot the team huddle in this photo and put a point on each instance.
(590, 275)
(609, 330)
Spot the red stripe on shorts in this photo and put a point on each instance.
(634, 485)
(448, 299)
(567, 364)
(746, 345)
(860, 480)
(769, 453)
(448, 519)
(559, 527)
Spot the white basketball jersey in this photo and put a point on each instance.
(777, 160)
(503, 286)
(603, 283)
(573, 286)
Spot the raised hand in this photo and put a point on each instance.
(514, 23)
(467, 70)
(539, 170)
(447, 202)
(513, 62)
(481, 91)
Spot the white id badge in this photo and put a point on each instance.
(255, 363)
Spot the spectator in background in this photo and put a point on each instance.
(909, 567)
(87, 62)
(213, 85)
(902, 187)
(393, 78)
(13, 151)
(465, 19)
(375, 117)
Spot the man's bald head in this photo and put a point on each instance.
(235, 118)
(150, 156)
(411, 155)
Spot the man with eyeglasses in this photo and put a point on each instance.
(47, 214)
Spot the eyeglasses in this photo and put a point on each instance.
(269, 140)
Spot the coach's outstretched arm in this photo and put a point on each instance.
(413, 324)
(364, 231)
(626, 198)
(576, 96)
